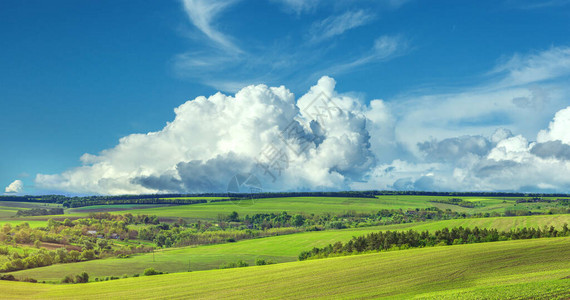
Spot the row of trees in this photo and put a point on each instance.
(155, 201)
(456, 201)
(178, 199)
(391, 240)
(127, 218)
(164, 235)
(360, 194)
(43, 258)
(39, 212)
(346, 219)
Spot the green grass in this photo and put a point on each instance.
(32, 223)
(501, 270)
(7, 213)
(113, 207)
(195, 198)
(8, 210)
(283, 248)
(293, 205)
(319, 205)
(500, 223)
(333, 205)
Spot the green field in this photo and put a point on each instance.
(537, 269)
(283, 248)
(323, 205)
(8, 210)
(530, 268)
(32, 223)
(111, 208)
(292, 205)
(196, 198)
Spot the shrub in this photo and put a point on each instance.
(82, 278)
(262, 262)
(238, 264)
(151, 271)
(67, 279)
(88, 255)
(242, 264)
(9, 277)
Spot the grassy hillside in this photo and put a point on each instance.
(284, 248)
(523, 268)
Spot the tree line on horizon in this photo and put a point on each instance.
(79, 201)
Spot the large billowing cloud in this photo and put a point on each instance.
(324, 140)
(319, 142)
(17, 186)
(508, 135)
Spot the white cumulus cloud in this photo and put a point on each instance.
(484, 138)
(559, 128)
(17, 186)
(211, 139)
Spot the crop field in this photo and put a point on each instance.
(496, 269)
(32, 223)
(316, 205)
(319, 205)
(535, 269)
(284, 248)
(111, 208)
(194, 198)
(293, 205)
(8, 210)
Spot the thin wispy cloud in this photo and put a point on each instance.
(536, 67)
(337, 25)
(518, 101)
(202, 13)
(226, 66)
(385, 48)
(298, 6)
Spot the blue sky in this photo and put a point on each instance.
(440, 95)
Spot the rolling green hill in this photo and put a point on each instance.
(283, 248)
(292, 205)
(537, 269)
(321, 205)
